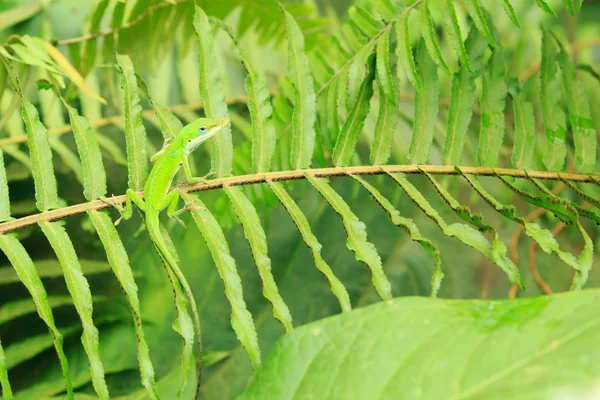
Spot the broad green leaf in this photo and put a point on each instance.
(476, 12)
(475, 337)
(431, 40)
(213, 97)
(385, 129)
(4, 199)
(119, 262)
(356, 230)
(305, 101)
(553, 115)
(258, 244)
(39, 148)
(524, 145)
(510, 11)
(406, 61)
(409, 226)
(169, 124)
(79, 290)
(590, 199)
(337, 287)
(584, 131)
(135, 133)
(455, 36)
(241, 319)
(544, 6)
(345, 145)
(94, 176)
(384, 73)
(492, 110)
(4, 383)
(28, 275)
(543, 237)
(495, 251)
(385, 8)
(462, 99)
(426, 108)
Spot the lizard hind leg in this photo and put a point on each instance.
(127, 211)
(170, 202)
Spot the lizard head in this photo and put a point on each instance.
(202, 129)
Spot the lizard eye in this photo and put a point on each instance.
(202, 129)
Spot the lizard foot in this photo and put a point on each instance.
(114, 204)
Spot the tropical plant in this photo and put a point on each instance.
(464, 123)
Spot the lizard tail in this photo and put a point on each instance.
(170, 262)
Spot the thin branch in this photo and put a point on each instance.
(138, 19)
(78, 209)
(111, 120)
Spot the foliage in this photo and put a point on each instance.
(479, 101)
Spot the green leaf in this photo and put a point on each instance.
(426, 108)
(524, 146)
(169, 124)
(476, 12)
(495, 251)
(553, 115)
(412, 229)
(119, 262)
(135, 133)
(89, 47)
(510, 11)
(448, 10)
(4, 199)
(212, 94)
(259, 104)
(258, 244)
(385, 129)
(477, 336)
(462, 99)
(18, 13)
(569, 6)
(357, 242)
(79, 290)
(19, 308)
(492, 110)
(431, 40)
(543, 237)
(94, 176)
(305, 100)
(241, 319)
(183, 324)
(406, 61)
(28, 275)
(4, 383)
(584, 131)
(384, 72)
(345, 145)
(544, 6)
(46, 194)
(51, 269)
(337, 287)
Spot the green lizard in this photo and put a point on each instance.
(158, 195)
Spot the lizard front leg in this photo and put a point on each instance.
(188, 173)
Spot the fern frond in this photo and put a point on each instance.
(357, 236)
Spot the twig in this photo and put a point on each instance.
(78, 209)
